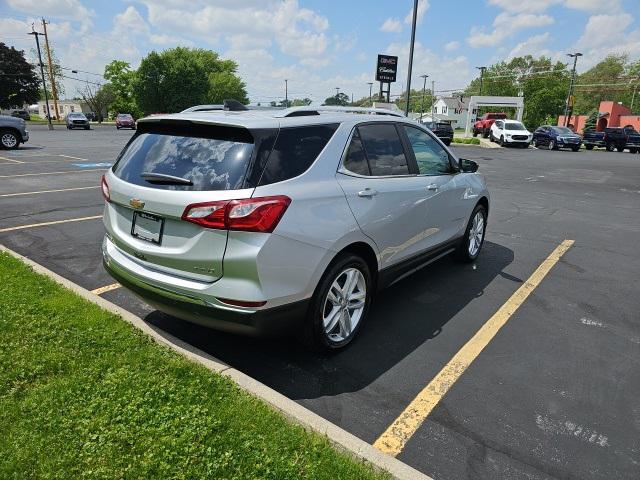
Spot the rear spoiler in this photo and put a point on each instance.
(187, 128)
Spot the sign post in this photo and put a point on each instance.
(386, 73)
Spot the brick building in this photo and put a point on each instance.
(611, 114)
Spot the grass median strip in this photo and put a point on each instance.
(84, 394)
(394, 439)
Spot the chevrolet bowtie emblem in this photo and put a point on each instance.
(136, 203)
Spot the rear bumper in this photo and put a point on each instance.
(266, 322)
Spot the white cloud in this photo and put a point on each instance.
(451, 46)
(532, 46)
(55, 9)
(525, 6)
(449, 73)
(504, 26)
(391, 25)
(605, 35)
(612, 6)
(423, 6)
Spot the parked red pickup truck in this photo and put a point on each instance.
(483, 124)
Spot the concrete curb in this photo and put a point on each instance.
(339, 438)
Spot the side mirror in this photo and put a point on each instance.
(467, 166)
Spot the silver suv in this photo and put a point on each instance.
(290, 220)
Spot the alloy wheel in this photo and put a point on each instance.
(344, 305)
(476, 234)
(9, 140)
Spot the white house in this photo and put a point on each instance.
(64, 107)
(452, 109)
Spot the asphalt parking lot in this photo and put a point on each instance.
(554, 395)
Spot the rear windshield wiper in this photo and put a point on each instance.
(162, 179)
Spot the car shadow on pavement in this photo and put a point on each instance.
(403, 317)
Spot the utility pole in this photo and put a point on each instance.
(286, 93)
(633, 97)
(424, 88)
(482, 69)
(413, 40)
(44, 84)
(51, 77)
(433, 98)
(351, 98)
(370, 88)
(568, 111)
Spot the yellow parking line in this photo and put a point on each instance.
(48, 191)
(44, 224)
(74, 158)
(10, 160)
(54, 173)
(105, 289)
(393, 440)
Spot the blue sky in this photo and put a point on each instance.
(319, 45)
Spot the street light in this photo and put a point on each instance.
(424, 87)
(286, 93)
(567, 111)
(482, 69)
(370, 87)
(413, 41)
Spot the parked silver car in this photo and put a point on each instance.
(286, 220)
(77, 120)
(13, 132)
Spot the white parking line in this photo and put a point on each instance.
(48, 191)
(10, 160)
(54, 173)
(44, 224)
(74, 158)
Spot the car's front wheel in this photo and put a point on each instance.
(9, 139)
(552, 145)
(471, 244)
(339, 305)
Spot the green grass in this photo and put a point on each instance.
(467, 141)
(84, 395)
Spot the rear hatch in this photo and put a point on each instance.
(166, 167)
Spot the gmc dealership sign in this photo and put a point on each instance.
(387, 68)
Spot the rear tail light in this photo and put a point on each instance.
(260, 214)
(242, 303)
(105, 189)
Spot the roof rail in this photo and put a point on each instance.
(304, 111)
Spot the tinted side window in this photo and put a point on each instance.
(383, 149)
(356, 161)
(431, 158)
(295, 150)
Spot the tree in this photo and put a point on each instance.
(19, 82)
(181, 77)
(415, 101)
(614, 78)
(341, 99)
(300, 102)
(99, 99)
(592, 120)
(542, 83)
(224, 86)
(120, 76)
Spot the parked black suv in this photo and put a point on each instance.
(442, 130)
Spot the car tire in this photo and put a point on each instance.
(485, 133)
(117, 127)
(620, 149)
(323, 331)
(9, 140)
(447, 142)
(472, 234)
(575, 149)
(552, 145)
(609, 148)
(535, 143)
(589, 147)
(475, 132)
(633, 150)
(491, 137)
(68, 127)
(87, 128)
(501, 141)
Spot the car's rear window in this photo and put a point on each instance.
(209, 163)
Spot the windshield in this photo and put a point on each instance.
(514, 126)
(563, 130)
(124, 116)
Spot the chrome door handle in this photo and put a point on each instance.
(433, 187)
(367, 192)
